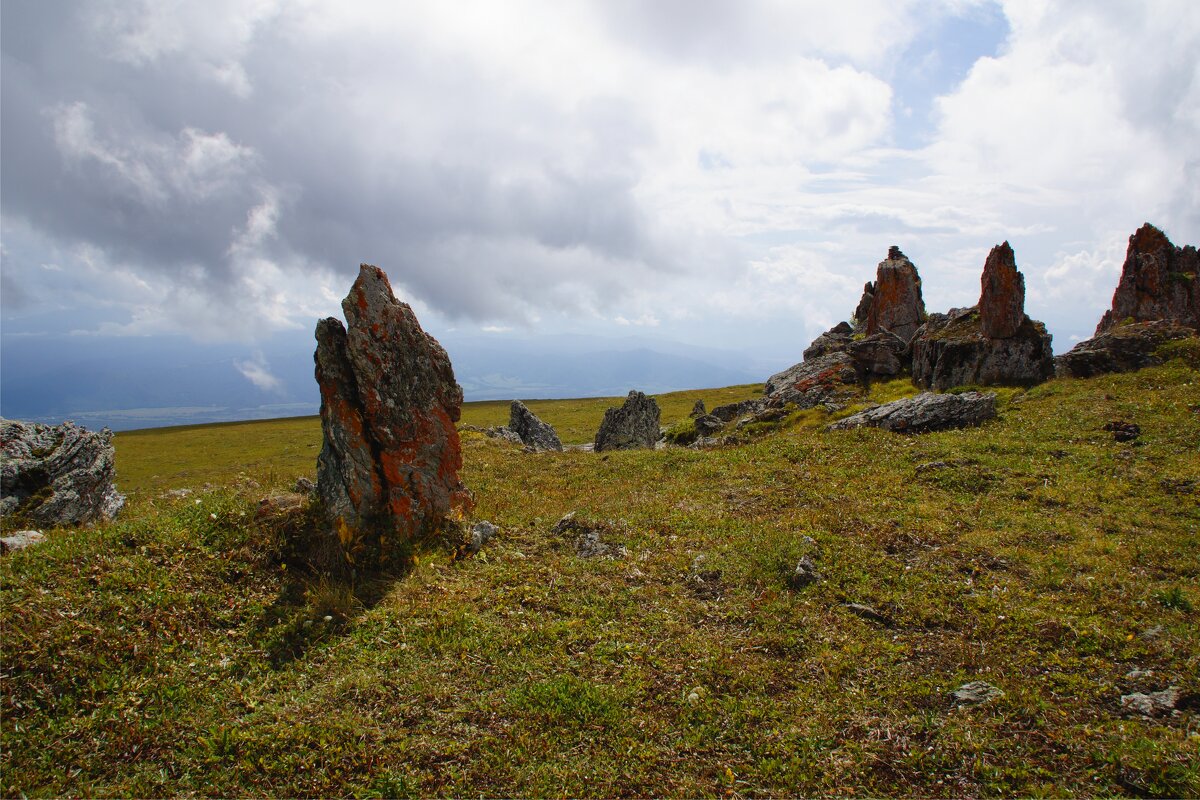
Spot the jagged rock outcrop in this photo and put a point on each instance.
(389, 463)
(1159, 281)
(834, 340)
(57, 475)
(1122, 348)
(895, 303)
(532, 432)
(830, 378)
(925, 412)
(955, 349)
(632, 426)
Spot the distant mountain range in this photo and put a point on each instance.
(129, 383)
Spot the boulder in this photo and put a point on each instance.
(19, 540)
(1122, 348)
(834, 340)
(57, 475)
(1159, 281)
(708, 424)
(882, 355)
(1002, 301)
(534, 433)
(896, 304)
(732, 411)
(925, 412)
(828, 378)
(632, 426)
(388, 468)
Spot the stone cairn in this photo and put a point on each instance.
(388, 469)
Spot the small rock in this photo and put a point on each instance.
(975, 693)
(705, 583)
(481, 534)
(866, 612)
(279, 504)
(805, 574)
(732, 411)
(1153, 704)
(1153, 633)
(1123, 431)
(1138, 674)
(304, 486)
(20, 540)
(176, 494)
(708, 424)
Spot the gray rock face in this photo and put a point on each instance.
(951, 350)
(834, 340)
(532, 431)
(1122, 348)
(925, 412)
(57, 475)
(708, 424)
(388, 468)
(880, 356)
(632, 426)
(828, 378)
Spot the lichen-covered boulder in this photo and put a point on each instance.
(57, 475)
(632, 426)
(388, 469)
(1122, 348)
(1159, 281)
(925, 412)
(896, 304)
(534, 433)
(827, 378)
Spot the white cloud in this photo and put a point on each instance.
(258, 372)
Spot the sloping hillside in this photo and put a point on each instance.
(655, 646)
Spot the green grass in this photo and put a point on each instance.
(170, 653)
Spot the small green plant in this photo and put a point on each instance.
(1173, 597)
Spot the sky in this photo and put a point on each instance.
(721, 175)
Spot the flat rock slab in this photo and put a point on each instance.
(20, 540)
(975, 693)
(924, 413)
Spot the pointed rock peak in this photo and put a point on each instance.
(896, 304)
(1147, 239)
(1002, 301)
(1158, 281)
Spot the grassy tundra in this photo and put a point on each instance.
(172, 652)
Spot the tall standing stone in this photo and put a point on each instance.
(1158, 281)
(896, 305)
(388, 468)
(634, 425)
(1002, 301)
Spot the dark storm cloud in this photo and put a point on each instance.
(347, 151)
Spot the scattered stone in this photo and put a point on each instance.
(504, 433)
(589, 541)
(1002, 301)
(768, 414)
(896, 305)
(1153, 704)
(706, 584)
(930, 466)
(304, 486)
(706, 442)
(834, 340)
(1159, 281)
(698, 410)
(481, 534)
(1120, 348)
(732, 411)
(805, 574)
(57, 475)
(535, 434)
(1123, 431)
(925, 412)
(828, 378)
(868, 613)
(708, 424)
(1138, 674)
(20, 540)
(388, 468)
(632, 426)
(975, 693)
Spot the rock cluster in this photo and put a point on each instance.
(925, 412)
(57, 475)
(634, 425)
(389, 462)
(994, 342)
(1159, 281)
(1122, 348)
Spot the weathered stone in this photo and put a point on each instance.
(834, 340)
(1158, 281)
(698, 410)
(880, 356)
(805, 574)
(896, 304)
(304, 486)
(534, 433)
(708, 424)
(1002, 301)
(975, 693)
(388, 468)
(632, 426)
(481, 533)
(1153, 704)
(19, 540)
(808, 384)
(867, 612)
(1122, 348)
(57, 475)
(732, 411)
(925, 412)
(951, 350)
